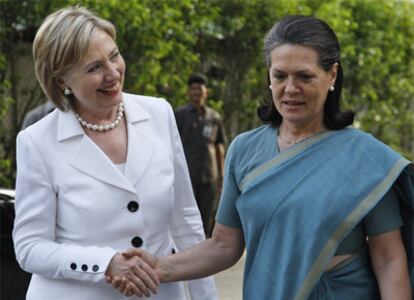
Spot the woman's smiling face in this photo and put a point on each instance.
(97, 81)
(299, 84)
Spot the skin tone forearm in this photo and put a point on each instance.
(207, 258)
(393, 284)
(218, 253)
(389, 262)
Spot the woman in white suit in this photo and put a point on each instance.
(102, 173)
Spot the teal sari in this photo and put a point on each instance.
(296, 209)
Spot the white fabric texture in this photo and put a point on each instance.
(72, 203)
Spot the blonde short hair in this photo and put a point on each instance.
(61, 42)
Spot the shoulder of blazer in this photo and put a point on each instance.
(44, 127)
(139, 107)
(145, 101)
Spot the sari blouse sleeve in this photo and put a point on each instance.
(227, 212)
(385, 216)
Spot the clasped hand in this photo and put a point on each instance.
(134, 272)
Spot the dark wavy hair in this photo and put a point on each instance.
(197, 78)
(314, 33)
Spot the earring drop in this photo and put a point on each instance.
(67, 91)
(270, 87)
(331, 88)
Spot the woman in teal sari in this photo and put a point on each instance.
(324, 210)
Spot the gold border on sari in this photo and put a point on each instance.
(285, 155)
(350, 221)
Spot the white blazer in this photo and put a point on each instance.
(75, 209)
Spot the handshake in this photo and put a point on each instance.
(134, 272)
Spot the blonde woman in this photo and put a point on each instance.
(102, 173)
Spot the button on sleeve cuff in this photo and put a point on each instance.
(88, 264)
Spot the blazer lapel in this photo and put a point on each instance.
(87, 156)
(91, 160)
(140, 151)
(140, 145)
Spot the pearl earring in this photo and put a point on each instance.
(270, 86)
(331, 88)
(67, 91)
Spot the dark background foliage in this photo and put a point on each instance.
(164, 41)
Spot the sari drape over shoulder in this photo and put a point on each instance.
(296, 209)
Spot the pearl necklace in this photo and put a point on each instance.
(302, 139)
(96, 127)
